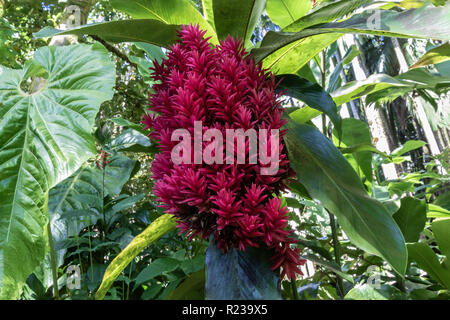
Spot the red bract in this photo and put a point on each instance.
(224, 89)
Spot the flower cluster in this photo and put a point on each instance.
(223, 88)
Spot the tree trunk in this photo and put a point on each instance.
(377, 127)
(431, 139)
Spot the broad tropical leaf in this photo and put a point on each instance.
(292, 57)
(285, 12)
(407, 24)
(329, 178)
(379, 87)
(240, 275)
(45, 136)
(428, 261)
(168, 11)
(142, 30)
(237, 18)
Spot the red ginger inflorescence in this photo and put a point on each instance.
(223, 88)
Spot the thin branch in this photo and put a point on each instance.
(114, 50)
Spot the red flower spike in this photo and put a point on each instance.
(225, 89)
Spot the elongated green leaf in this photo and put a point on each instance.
(45, 136)
(434, 56)
(312, 94)
(381, 86)
(411, 218)
(154, 231)
(329, 178)
(285, 12)
(407, 24)
(419, 79)
(168, 11)
(428, 261)
(409, 146)
(142, 30)
(435, 211)
(294, 56)
(325, 14)
(237, 18)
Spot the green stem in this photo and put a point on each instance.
(90, 250)
(53, 261)
(337, 253)
(294, 289)
(103, 205)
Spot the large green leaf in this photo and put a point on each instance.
(329, 178)
(45, 136)
(411, 218)
(237, 18)
(153, 232)
(408, 24)
(240, 275)
(292, 57)
(285, 12)
(168, 11)
(142, 30)
(310, 93)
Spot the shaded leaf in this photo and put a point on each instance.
(153, 232)
(411, 218)
(237, 18)
(175, 12)
(142, 30)
(239, 275)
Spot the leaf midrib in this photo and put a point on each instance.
(19, 175)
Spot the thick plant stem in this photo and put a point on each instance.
(294, 289)
(337, 253)
(53, 261)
